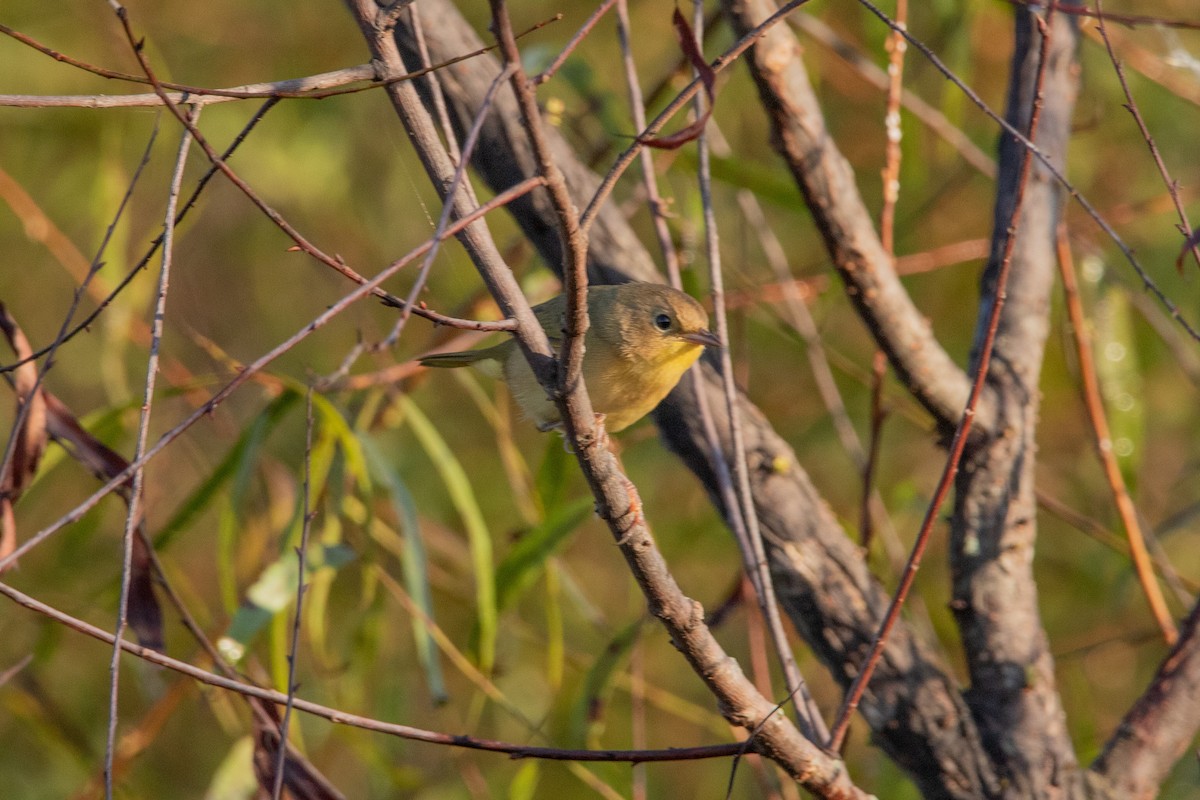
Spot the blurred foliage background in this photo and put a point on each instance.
(430, 492)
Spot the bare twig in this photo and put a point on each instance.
(896, 47)
(958, 444)
(341, 717)
(1048, 163)
(561, 58)
(136, 510)
(865, 524)
(626, 158)
(807, 713)
(1132, 106)
(929, 115)
(301, 567)
(1103, 441)
(310, 87)
(257, 366)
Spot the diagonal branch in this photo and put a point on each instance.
(1161, 724)
(824, 585)
(828, 184)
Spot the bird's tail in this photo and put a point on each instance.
(462, 358)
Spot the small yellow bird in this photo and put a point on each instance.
(641, 340)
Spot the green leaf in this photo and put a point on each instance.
(552, 475)
(524, 783)
(597, 683)
(238, 460)
(274, 592)
(414, 564)
(234, 778)
(525, 560)
(479, 541)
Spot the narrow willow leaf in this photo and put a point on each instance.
(274, 592)
(414, 563)
(525, 561)
(234, 777)
(462, 495)
(243, 453)
(524, 783)
(585, 722)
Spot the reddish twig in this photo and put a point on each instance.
(929, 115)
(637, 104)
(561, 58)
(301, 242)
(626, 158)
(1102, 438)
(1128, 20)
(959, 442)
(1049, 165)
(151, 250)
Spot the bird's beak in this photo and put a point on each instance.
(702, 337)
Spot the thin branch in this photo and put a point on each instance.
(341, 717)
(929, 115)
(1049, 165)
(257, 366)
(896, 47)
(1171, 184)
(301, 568)
(807, 714)
(579, 420)
(447, 209)
(156, 243)
(1102, 438)
(623, 161)
(310, 87)
(958, 444)
(136, 511)
(561, 58)
(828, 183)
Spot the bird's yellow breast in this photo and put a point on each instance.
(624, 387)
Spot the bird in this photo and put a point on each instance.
(642, 338)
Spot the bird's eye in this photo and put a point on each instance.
(663, 322)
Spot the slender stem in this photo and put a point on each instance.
(135, 512)
(958, 444)
(301, 569)
(1102, 438)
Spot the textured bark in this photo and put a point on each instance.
(827, 182)
(1159, 727)
(1013, 693)
(914, 706)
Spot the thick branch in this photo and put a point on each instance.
(1161, 724)
(827, 182)
(914, 706)
(1013, 694)
(617, 503)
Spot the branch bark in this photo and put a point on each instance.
(616, 498)
(914, 706)
(1013, 693)
(827, 182)
(1161, 724)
